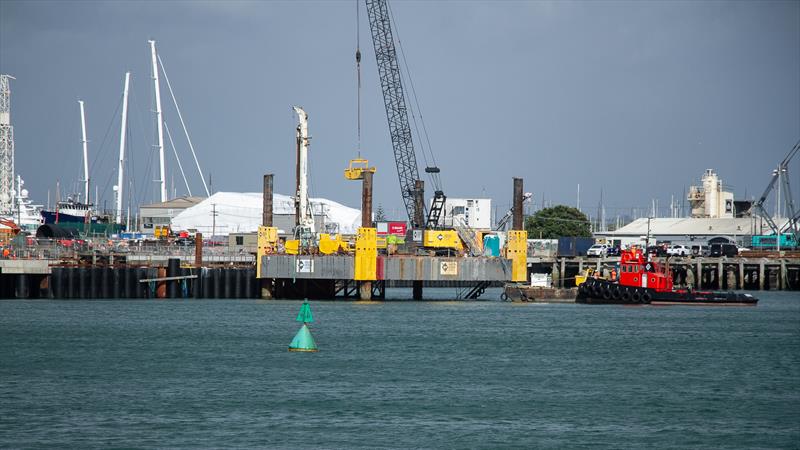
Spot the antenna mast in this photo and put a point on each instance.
(122, 131)
(159, 122)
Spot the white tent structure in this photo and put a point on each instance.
(240, 212)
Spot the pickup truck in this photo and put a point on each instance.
(679, 250)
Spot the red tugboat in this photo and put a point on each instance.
(648, 282)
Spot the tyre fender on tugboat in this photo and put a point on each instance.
(626, 294)
(646, 297)
(615, 293)
(636, 296)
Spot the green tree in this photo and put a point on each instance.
(380, 215)
(557, 221)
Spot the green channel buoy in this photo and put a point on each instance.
(305, 315)
(303, 341)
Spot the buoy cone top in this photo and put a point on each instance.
(303, 341)
(305, 314)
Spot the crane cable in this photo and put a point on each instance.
(434, 176)
(358, 76)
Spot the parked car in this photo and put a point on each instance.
(599, 250)
(679, 250)
(717, 250)
(614, 250)
(657, 250)
(699, 250)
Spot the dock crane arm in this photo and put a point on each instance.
(758, 206)
(503, 222)
(791, 225)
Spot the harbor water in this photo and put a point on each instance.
(437, 374)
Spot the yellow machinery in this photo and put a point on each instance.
(582, 277)
(161, 231)
(355, 171)
(329, 245)
(267, 244)
(292, 247)
(433, 239)
(442, 239)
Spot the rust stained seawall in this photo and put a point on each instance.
(408, 268)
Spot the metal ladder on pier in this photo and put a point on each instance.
(475, 291)
(467, 234)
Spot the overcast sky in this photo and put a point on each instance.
(636, 98)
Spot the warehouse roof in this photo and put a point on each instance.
(176, 203)
(688, 226)
(240, 212)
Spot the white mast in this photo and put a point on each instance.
(122, 131)
(159, 126)
(85, 155)
(304, 217)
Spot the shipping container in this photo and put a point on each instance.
(474, 212)
(574, 246)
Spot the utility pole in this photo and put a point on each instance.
(213, 219)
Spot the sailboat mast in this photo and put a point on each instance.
(159, 122)
(85, 155)
(122, 131)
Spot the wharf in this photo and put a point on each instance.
(100, 275)
(767, 272)
(332, 276)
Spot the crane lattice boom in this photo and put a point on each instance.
(395, 102)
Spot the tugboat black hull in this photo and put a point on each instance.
(603, 292)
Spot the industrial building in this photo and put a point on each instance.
(711, 201)
(162, 213)
(685, 230)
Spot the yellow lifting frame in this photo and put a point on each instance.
(356, 169)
